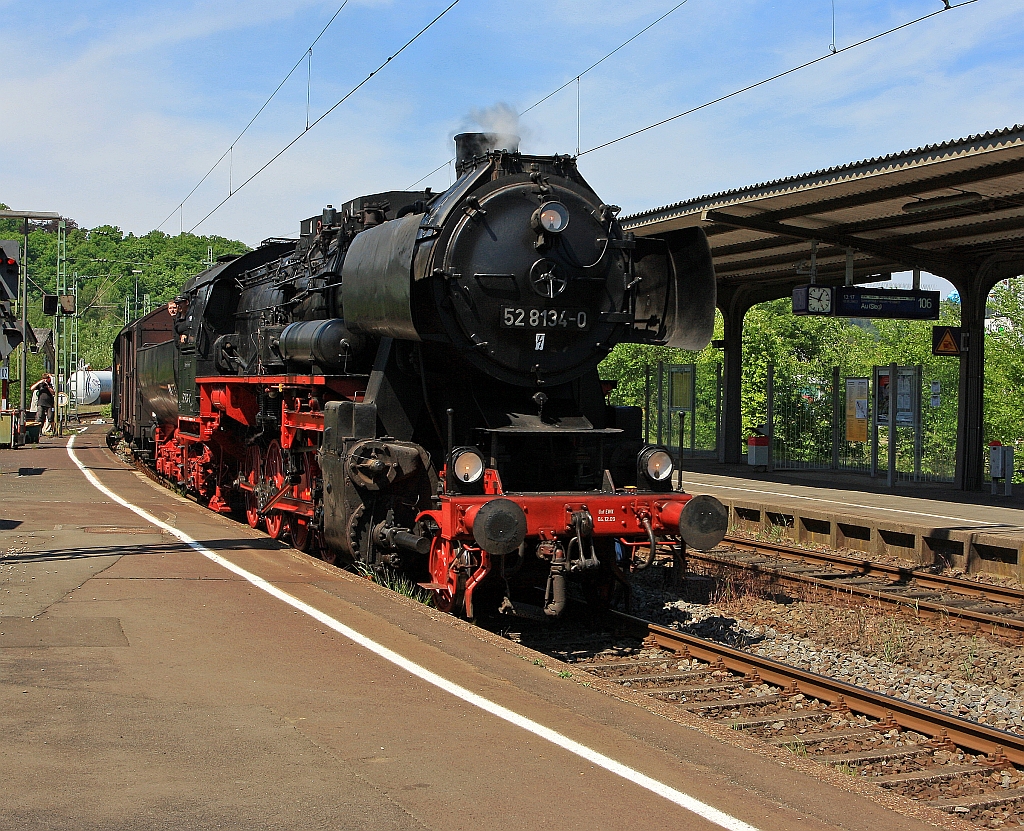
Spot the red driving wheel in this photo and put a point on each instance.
(273, 475)
(302, 535)
(447, 591)
(253, 475)
(300, 532)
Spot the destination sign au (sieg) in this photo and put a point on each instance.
(901, 304)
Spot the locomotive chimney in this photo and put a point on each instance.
(471, 145)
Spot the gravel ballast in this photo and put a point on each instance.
(867, 644)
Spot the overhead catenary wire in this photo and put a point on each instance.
(575, 79)
(597, 63)
(326, 113)
(778, 75)
(428, 175)
(229, 152)
(832, 45)
(832, 51)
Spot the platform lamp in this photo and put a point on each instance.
(25, 216)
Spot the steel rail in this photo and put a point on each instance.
(872, 568)
(1012, 627)
(999, 745)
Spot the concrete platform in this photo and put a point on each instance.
(922, 522)
(143, 685)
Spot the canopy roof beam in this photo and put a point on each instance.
(904, 255)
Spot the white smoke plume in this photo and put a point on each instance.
(499, 120)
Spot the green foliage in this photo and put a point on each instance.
(630, 365)
(1004, 366)
(805, 349)
(108, 265)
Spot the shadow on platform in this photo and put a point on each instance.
(144, 550)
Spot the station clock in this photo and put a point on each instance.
(813, 300)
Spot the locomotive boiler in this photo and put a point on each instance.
(413, 383)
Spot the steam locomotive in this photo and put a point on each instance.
(413, 384)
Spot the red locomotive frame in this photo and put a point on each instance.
(210, 461)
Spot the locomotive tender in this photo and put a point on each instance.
(413, 383)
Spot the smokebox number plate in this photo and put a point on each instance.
(516, 317)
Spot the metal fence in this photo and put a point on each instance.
(684, 410)
(802, 411)
(829, 423)
(815, 422)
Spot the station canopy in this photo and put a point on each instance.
(945, 209)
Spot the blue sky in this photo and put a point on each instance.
(113, 111)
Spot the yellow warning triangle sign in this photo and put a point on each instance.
(947, 346)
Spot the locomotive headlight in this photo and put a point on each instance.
(656, 464)
(550, 218)
(467, 465)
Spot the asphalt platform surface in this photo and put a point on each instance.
(143, 685)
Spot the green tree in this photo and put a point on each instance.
(108, 267)
(630, 365)
(1004, 367)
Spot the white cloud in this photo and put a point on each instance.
(121, 108)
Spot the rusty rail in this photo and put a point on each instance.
(1001, 747)
(871, 568)
(1008, 625)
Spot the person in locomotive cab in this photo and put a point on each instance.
(178, 310)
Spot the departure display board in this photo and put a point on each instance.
(895, 304)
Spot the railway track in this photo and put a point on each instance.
(996, 610)
(957, 766)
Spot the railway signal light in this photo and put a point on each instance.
(10, 333)
(49, 304)
(9, 267)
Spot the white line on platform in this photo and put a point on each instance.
(979, 522)
(686, 801)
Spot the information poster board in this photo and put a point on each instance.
(857, 409)
(906, 400)
(881, 396)
(681, 387)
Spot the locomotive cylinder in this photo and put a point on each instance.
(326, 343)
